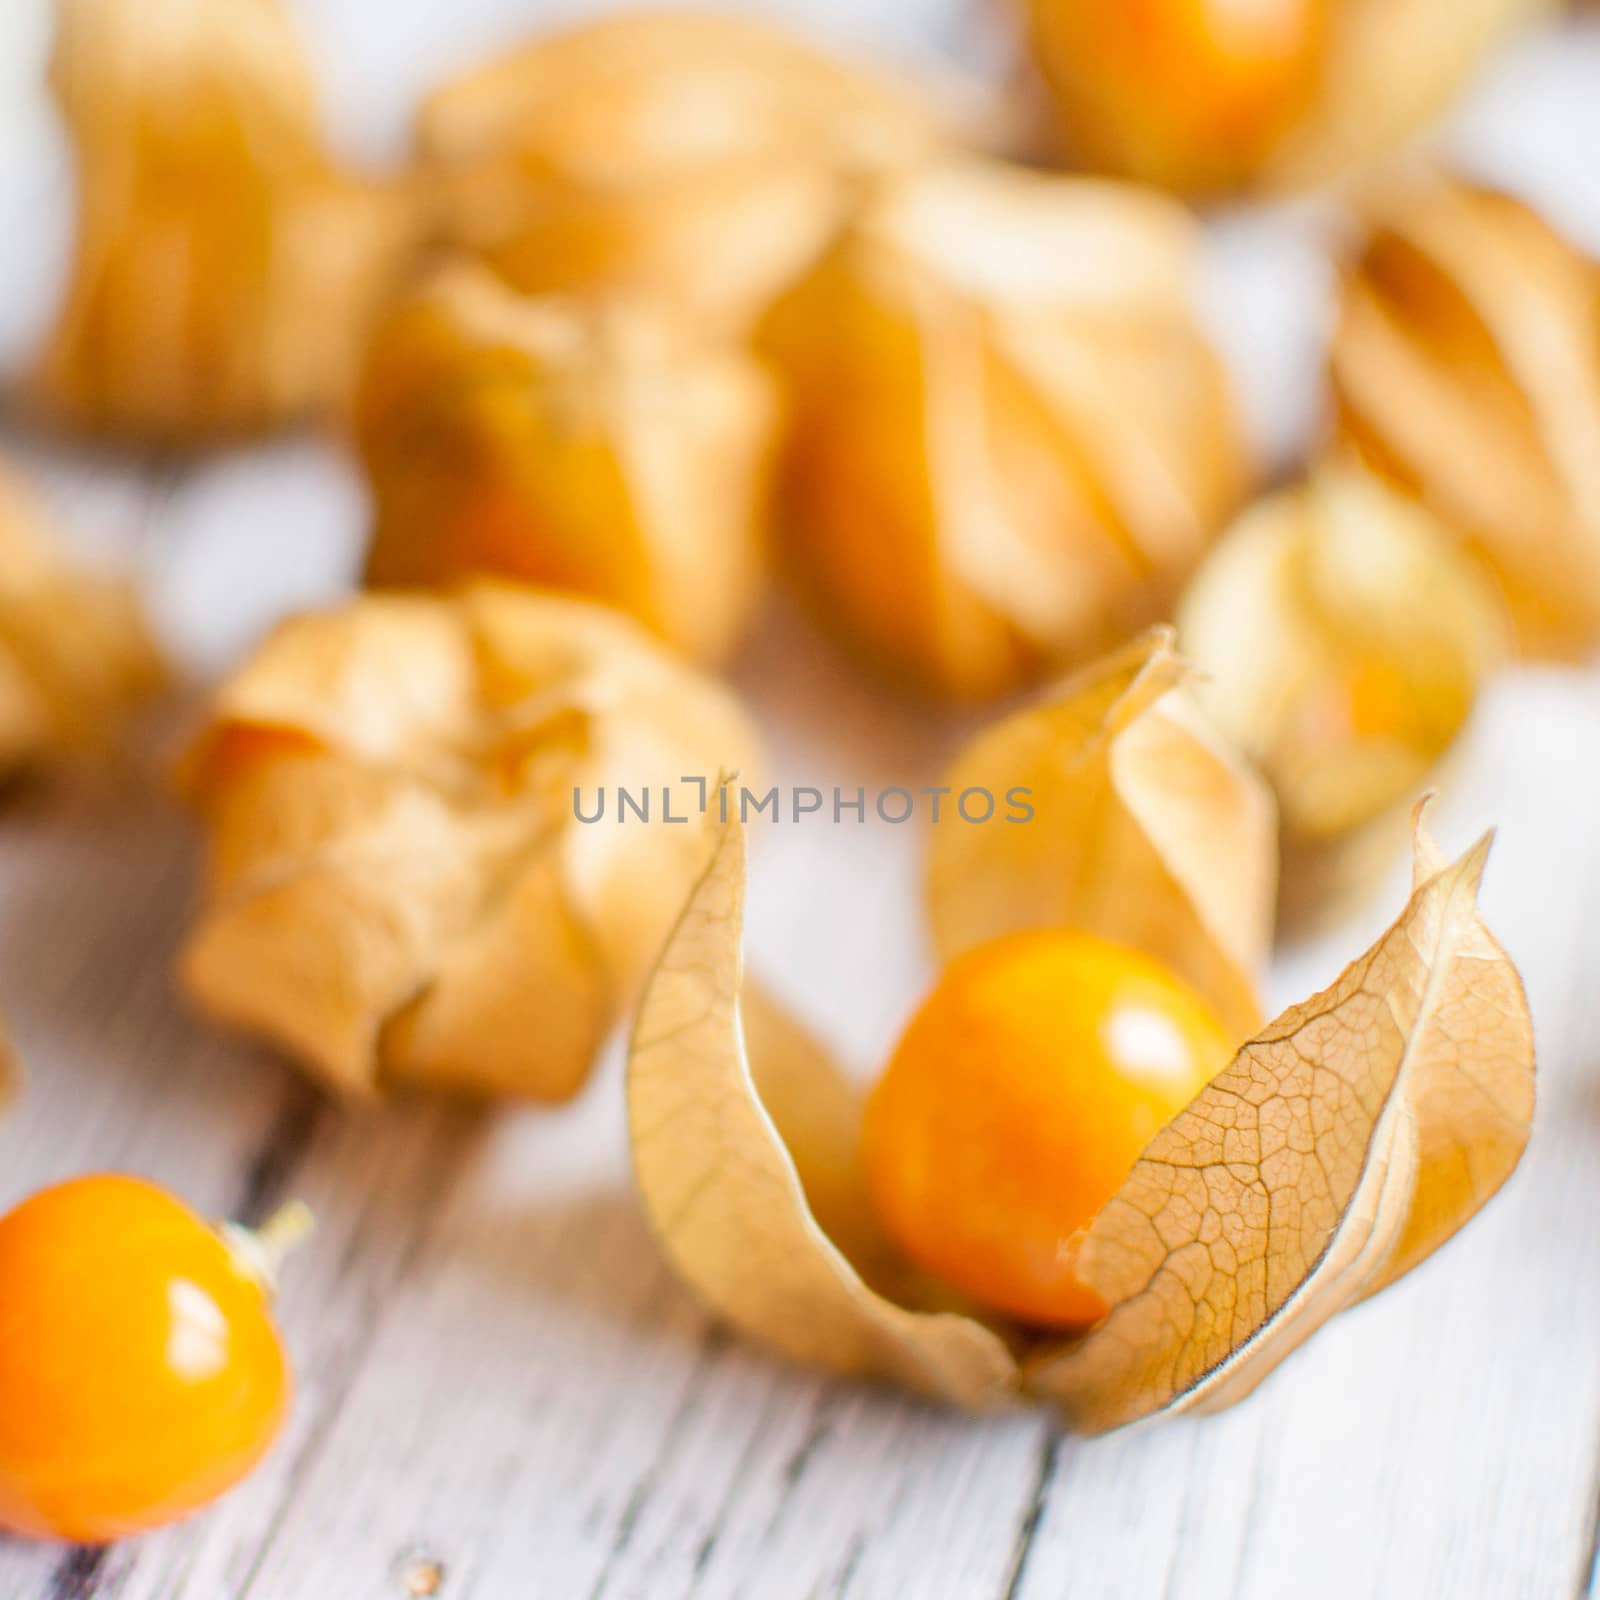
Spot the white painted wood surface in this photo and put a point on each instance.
(501, 1387)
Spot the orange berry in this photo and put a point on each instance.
(1192, 93)
(1017, 1102)
(140, 1371)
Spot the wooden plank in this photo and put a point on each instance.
(499, 1380)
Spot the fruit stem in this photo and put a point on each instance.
(260, 1252)
(289, 1226)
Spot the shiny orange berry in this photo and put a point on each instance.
(1017, 1102)
(140, 1371)
(1192, 93)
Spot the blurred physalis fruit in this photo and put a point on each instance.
(75, 654)
(705, 158)
(421, 872)
(1466, 368)
(1011, 440)
(141, 1375)
(224, 268)
(605, 448)
(1341, 640)
(1016, 1104)
(1211, 95)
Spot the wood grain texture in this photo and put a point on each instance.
(501, 1386)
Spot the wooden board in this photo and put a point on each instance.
(503, 1393)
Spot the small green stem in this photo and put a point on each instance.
(290, 1225)
(260, 1252)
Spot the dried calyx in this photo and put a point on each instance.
(225, 268)
(1010, 440)
(604, 447)
(1465, 373)
(398, 890)
(1342, 1144)
(1208, 96)
(75, 653)
(1341, 640)
(704, 158)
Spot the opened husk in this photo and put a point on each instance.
(1344, 1143)
(1011, 440)
(1146, 829)
(1466, 371)
(224, 268)
(723, 1189)
(700, 157)
(1341, 641)
(398, 888)
(602, 447)
(1207, 97)
(75, 654)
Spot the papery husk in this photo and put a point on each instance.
(1466, 367)
(1145, 828)
(1344, 1143)
(703, 158)
(724, 1192)
(75, 653)
(1266, 97)
(1011, 441)
(1341, 641)
(1392, 67)
(398, 890)
(603, 447)
(224, 269)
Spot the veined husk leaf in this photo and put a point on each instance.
(1145, 828)
(224, 268)
(1392, 67)
(75, 653)
(1465, 371)
(398, 888)
(724, 1190)
(1010, 439)
(604, 447)
(1344, 1143)
(1210, 97)
(1340, 642)
(704, 158)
